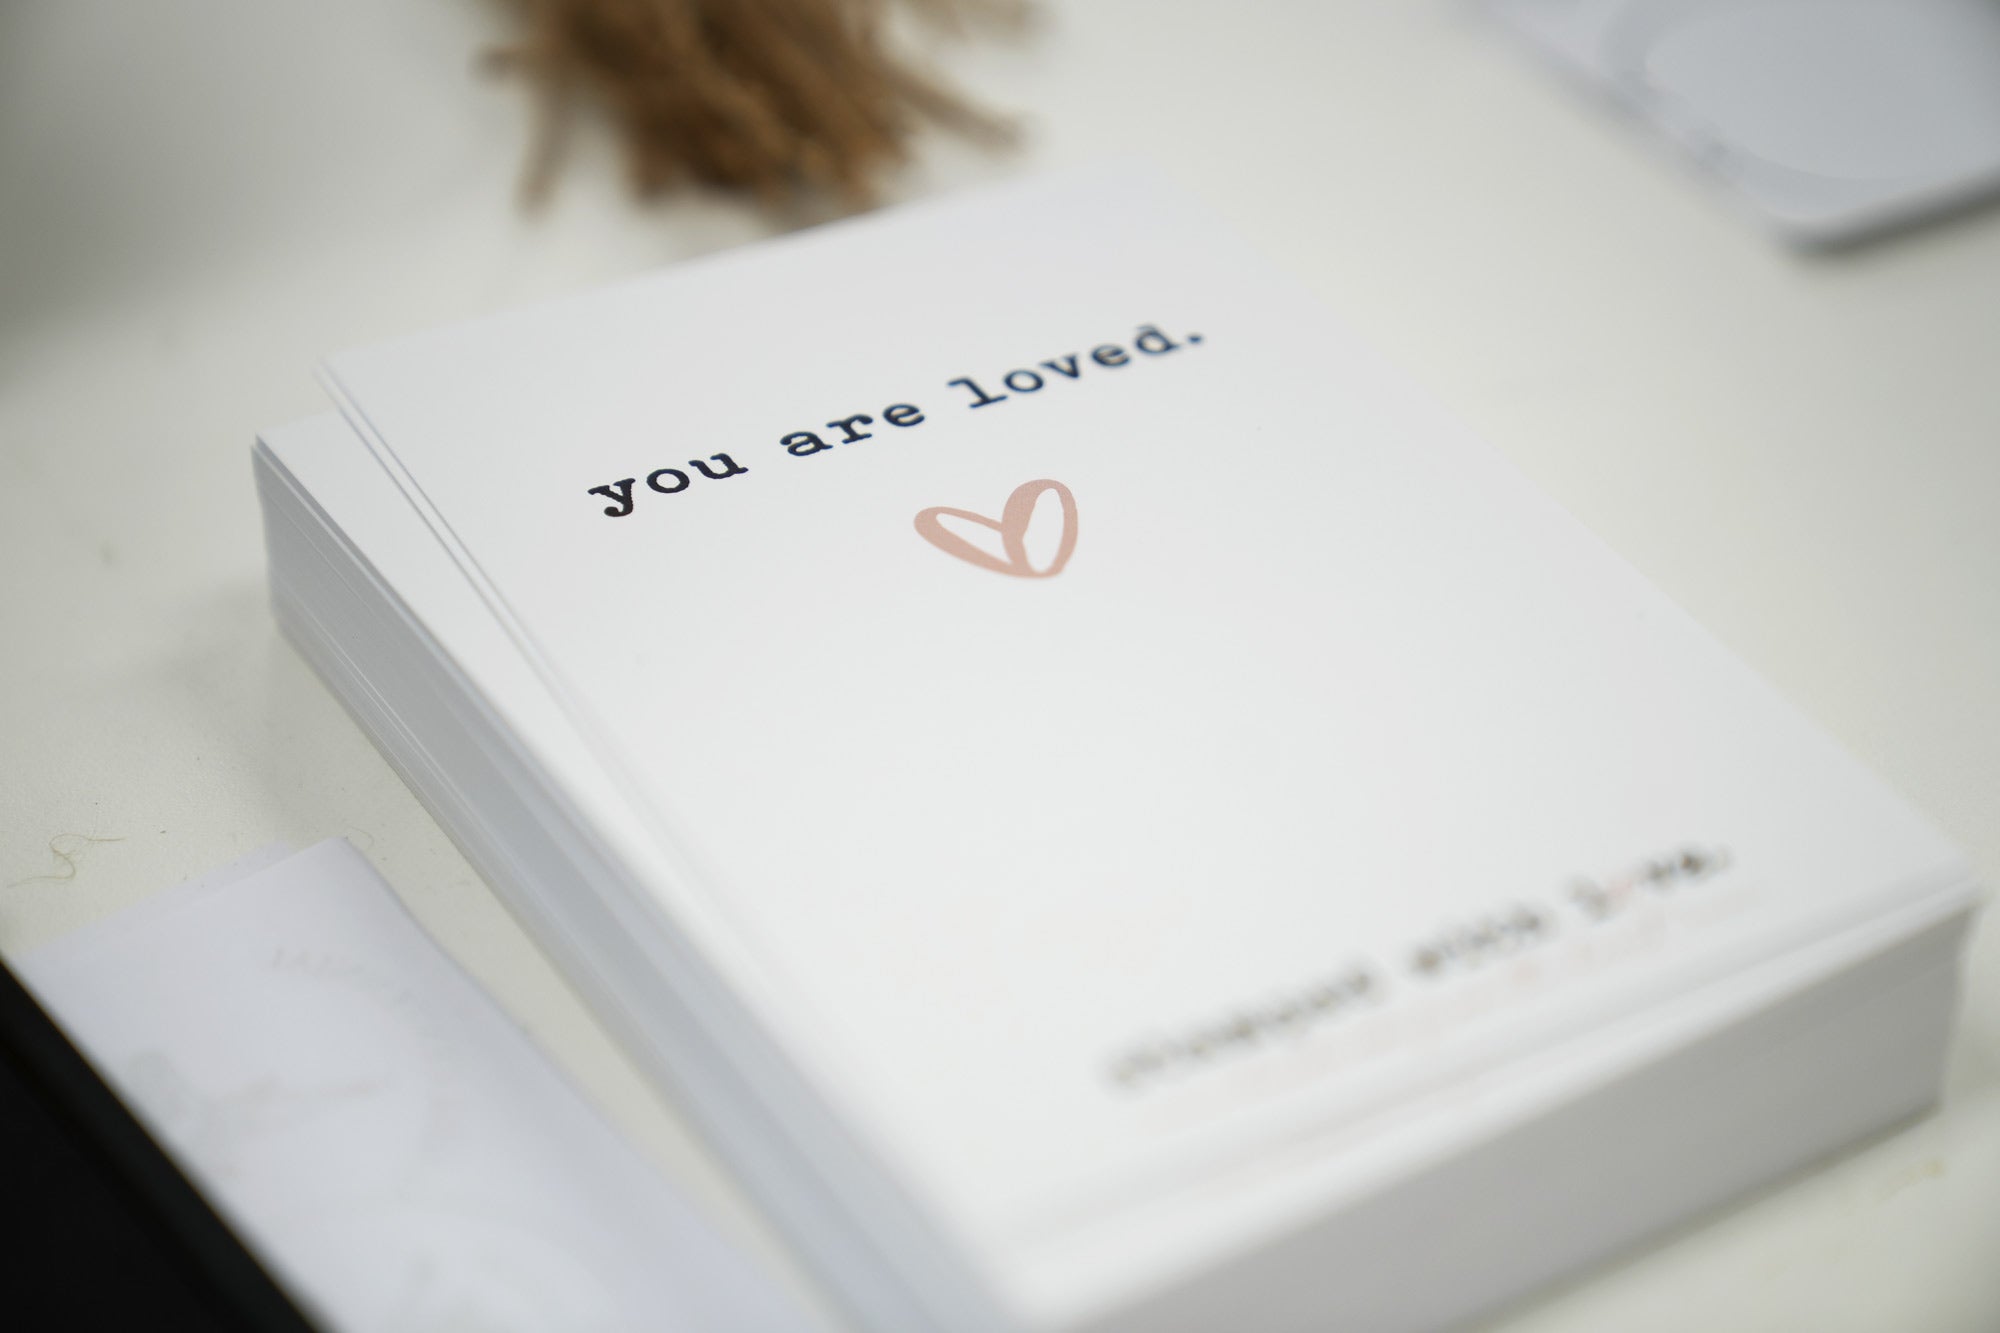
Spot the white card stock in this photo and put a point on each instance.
(1070, 766)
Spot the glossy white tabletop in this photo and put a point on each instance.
(198, 201)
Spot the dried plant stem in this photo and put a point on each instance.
(773, 97)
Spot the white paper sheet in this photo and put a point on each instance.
(395, 1150)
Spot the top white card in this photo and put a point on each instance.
(1102, 721)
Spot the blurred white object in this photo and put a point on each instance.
(394, 1149)
(1834, 119)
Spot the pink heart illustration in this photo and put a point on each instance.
(1012, 525)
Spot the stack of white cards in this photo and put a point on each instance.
(1111, 810)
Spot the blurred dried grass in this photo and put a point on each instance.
(777, 98)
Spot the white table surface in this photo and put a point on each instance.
(198, 200)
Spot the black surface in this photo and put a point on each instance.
(100, 1229)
